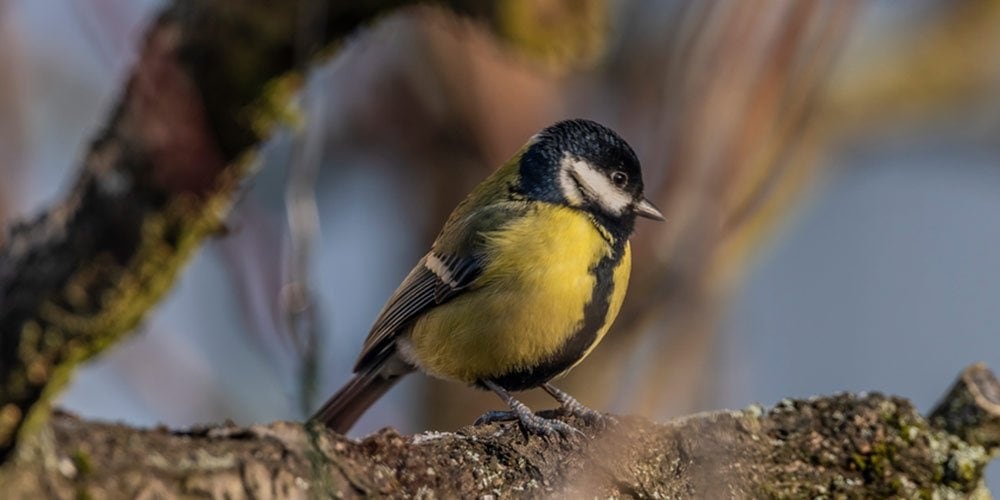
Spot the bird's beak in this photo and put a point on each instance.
(648, 210)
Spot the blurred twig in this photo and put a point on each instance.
(298, 301)
(944, 59)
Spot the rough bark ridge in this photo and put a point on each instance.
(841, 446)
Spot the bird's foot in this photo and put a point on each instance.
(591, 417)
(545, 427)
(495, 416)
(570, 406)
(531, 423)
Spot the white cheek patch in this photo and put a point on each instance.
(570, 190)
(597, 186)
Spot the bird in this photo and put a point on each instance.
(523, 281)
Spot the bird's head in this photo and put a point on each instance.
(583, 164)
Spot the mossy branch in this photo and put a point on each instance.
(840, 446)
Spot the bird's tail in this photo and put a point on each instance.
(345, 407)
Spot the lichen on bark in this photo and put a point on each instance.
(840, 446)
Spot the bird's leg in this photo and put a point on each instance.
(573, 407)
(496, 416)
(530, 422)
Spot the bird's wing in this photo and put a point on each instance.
(451, 267)
(436, 279)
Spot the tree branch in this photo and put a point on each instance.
(844, 445)
(211, 82)
(971, 410)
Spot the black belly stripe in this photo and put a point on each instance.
(594, 314)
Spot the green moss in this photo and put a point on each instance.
(276, 106)
(81, 460)
(168, 239)
(885, 447)
(560, 34)
(860, 462)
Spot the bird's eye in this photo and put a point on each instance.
(619, 178)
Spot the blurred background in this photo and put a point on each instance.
(830, 173)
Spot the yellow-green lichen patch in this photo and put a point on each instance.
(81, 460)
(890, 450)
(276, 106)
(561, 35)
(119, 296)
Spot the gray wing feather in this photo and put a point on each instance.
(421, 290)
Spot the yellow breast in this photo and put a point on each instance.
(525, 306)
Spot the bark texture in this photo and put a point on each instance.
(840, 446)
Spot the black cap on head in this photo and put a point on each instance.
(585, 140)
(583, 164)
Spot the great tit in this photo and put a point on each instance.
(523, 281)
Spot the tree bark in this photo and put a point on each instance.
(839, 446)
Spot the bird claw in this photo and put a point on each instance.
(531, 423)
(570, 406)
(495, 416)
(591, 417)
(548, 427)
(552, 426)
